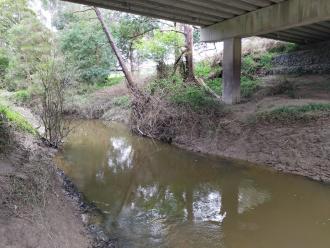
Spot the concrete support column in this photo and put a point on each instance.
(231, 64)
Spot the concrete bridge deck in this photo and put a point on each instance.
(297, 21)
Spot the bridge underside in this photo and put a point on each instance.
(297, 21)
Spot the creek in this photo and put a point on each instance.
(156, 195)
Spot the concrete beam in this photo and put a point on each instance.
(277, 17)
(231, 66)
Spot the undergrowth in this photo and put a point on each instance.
(183, 94)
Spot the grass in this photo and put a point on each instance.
(122, 101)
(16, 119)
(111, 81)
(292, 113)
(85, 89)
(22, 96)
(249, 86)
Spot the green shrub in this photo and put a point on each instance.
(16, 119)
(290, 113)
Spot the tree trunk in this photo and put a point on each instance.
(190, 74)
(131, 58)
(130, 82)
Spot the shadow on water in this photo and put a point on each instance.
(156, 195)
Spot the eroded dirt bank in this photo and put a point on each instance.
(35, 209)
(301, 148)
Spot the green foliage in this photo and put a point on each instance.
(16, 119)
(112, 80)
(249, 65)
(122, 101)
(181, 93)
(12, 13)
(253, 63)
(292, 113)
(24, 43)
(4, 62)
(249, 86)
(85, 46)
(266, 60)
(160, 46)
(129, 29)
(203, 69)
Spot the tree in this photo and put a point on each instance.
(12, 13)
(190, 74)
(160, 47)
(83, 44)
(129, 79)
(128, 30)
(27, 49)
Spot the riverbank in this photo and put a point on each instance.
(40, 206)
(283, 125)
(35, 210)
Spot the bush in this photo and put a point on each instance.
(182, 93)
(16, 119)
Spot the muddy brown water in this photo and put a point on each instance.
(156, 195)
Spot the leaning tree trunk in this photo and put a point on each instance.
(129, 78)
(190, 74)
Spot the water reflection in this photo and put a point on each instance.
(120, 155)
(155, 195)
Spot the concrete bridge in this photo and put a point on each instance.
(297, 21)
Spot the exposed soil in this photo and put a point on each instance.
(35, 211)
